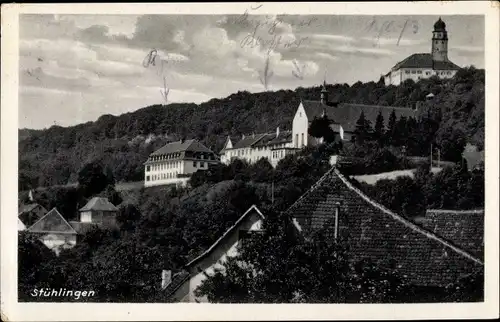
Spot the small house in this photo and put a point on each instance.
(54, 231)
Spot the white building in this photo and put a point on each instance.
(425, 65)
(251, 148)
(181, 286)
(176, 161)
(276, 146)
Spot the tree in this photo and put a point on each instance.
(92, 179)
(128, 217)
(391, 128)
(379, 128)
(317, 270)
(320, 128)
(363, 131)
(261, 171)
(112, 195)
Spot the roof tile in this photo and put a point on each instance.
(373, 232)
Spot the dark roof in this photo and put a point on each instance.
(248, 141)
(463, 228)
(99, 204)
(27, 216)
(182, 146)
(82, 227)
(373, 232)
(28, 207)
(439, 25)
(271, 138)
(52, 222)
(424, 60)
(347, 114)
(177, 280)
(185, 275)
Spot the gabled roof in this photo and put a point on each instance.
(248, 141)
(182, 146)
(99, 204)
(28, 207)
(28, 216)
(271, 138)
(374, 232)
(463, 228)
(182, 276)
(424, 60)
(52, 222)
(347, 114)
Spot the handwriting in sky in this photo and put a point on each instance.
(299, 70)
(165, 91)
(266, 74)
(150, 60)
(391, 26)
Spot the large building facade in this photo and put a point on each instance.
(276, 146)
(176, 161)
(425, 65)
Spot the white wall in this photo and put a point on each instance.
(165, 172)
(216, 258)
(299, 127)
(86, 216)
(416, 74)
(57, 242)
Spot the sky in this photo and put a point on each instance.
(75, 68)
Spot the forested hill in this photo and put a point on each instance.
(122, 143)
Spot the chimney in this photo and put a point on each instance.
(277, 131)
(166, 278)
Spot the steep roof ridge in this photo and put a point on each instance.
(458, 212)
(227, 232)
(313, 187)
(59, 232)
(406, 222)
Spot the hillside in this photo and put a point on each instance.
(122, 143)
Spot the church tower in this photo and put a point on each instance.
(440, 41)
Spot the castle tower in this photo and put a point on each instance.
(324, 94)
(440, 41)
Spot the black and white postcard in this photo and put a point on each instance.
(181, 161)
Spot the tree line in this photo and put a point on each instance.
(54, 155)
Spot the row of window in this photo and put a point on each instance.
(162, 176)
(165, 156)
(278, 154)
(195, 164)
(428, 73)
(163, 166)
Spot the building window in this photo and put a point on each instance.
(202, 164)
(427, 73)
(195, 164)
(300, 114)
(148, 168)
(413, 72)
(297, 140)
(302, 140)
(407, 71)
(148, 178)
(419, 72)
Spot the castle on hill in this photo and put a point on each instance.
(425, 65)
